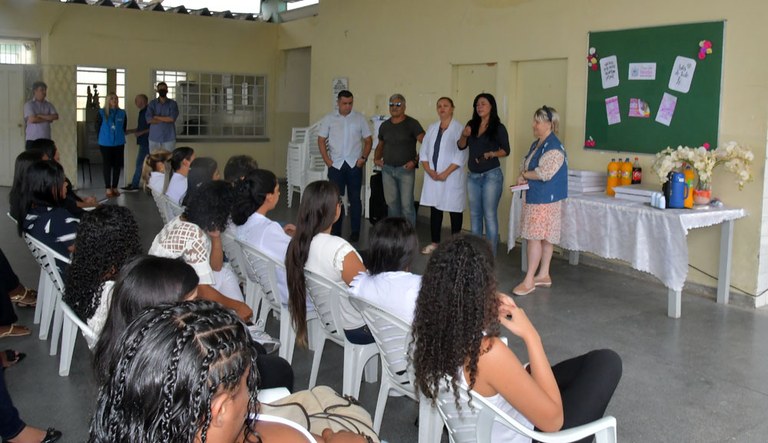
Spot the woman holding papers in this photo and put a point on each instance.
(545, 170)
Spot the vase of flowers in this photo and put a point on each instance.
(703, 160)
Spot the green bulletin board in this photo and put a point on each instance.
(695, 115)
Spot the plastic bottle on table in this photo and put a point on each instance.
(690, 177)
(613, 177)
(637, 172)
(626, 173)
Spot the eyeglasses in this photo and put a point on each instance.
(395, 104)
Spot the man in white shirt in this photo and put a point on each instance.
(345, 143)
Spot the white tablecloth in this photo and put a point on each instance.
(651, 240)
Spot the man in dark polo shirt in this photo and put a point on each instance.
(397, 155)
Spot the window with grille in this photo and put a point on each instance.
(218, 106)
(18, 52)
(105, 81)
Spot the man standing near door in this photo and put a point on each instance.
(344, 139)
(162, 113)
(142, 140)
(38, 114)
(397, 155)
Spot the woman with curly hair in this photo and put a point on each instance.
(147, 281)
(202, 170)
(195, 237)
(459, 288)
(314, 248)
(185, 373)
(107, 237)
(153, 174)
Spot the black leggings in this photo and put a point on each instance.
(436, 223)
(274, 371)
(8, 282)
(586, 386)
(113, 164)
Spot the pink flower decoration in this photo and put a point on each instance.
(706, 146)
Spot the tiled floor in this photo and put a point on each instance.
(701, 378)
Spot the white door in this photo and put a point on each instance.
(11, 120)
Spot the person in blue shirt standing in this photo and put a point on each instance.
(142, 140)
(161, 115)
(111, 124)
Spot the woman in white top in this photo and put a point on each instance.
(314, 248)
(456, 333)
(180, 162)
(107, 237)
(185, 373)
(445, 180)
(256, 195)
(153, 173)
(389, 283)
(195, 237)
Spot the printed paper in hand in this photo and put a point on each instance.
(612, 110)
(639, 108)
(682, 74)
(642, 71)
(666, 109)
(609, 71)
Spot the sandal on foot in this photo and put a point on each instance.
(522, 290)
(10, 357)
(542, 283)
(15, 331)
(27, 299)
(51, 435)
(430, 248)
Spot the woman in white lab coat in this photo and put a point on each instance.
(444, 176)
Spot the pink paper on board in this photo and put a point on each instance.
(666, 109)
(612, 110)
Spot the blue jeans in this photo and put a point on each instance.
(140, 156)
(398, 192)
(167, 146)
(484, 191)
(348, 179)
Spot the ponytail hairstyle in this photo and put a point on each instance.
(152, 163)
(175, 162)
(317, 212)
(41, 188)
(251, 193)
(169, 366)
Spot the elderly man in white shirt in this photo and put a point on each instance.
(345, 142)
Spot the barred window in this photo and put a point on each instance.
(105, 81)
(217, 106)
(18, 52)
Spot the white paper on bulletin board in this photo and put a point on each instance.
(339, 84)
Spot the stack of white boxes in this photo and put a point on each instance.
(582, 181)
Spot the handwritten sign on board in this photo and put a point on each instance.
(682, 74)
(609, 71)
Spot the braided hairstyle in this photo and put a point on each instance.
(172, 362)
(251, 193)
(317, 212)
(106, 238)
(456, 307)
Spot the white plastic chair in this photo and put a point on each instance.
(304, 163)
(392, 335)
(234, 253)
(326, 296)
(47, 257)
(475, 423)
(162, 208)
(69, 335)
(173, 209)
(43, 286)
(262, 270)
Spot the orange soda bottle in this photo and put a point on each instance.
(690, 177)
(613, 177)
(626, 173)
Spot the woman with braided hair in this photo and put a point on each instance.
(459, 288)
(107, 237)
(185, 373)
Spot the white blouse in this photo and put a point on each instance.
(396, 292)
(177, 188)
(186, 240)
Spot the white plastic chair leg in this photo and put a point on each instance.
(48, 307)
(68, 337)
(58, 318)
(381, 403)
(41, 288)
(319, 345)
(287, 336)
(430, 423)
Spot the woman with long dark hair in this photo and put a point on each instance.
(202, 170)
(488, 141)
(111, 123)
(389, 282)
(180, 162)
(195, 237)
(42, 213)
(459, 288)
(107, 238)
(314, 248)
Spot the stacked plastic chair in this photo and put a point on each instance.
(305, 164)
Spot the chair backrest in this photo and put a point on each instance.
(325, 295)
(475, 422)
(235, 255)
(46, 258)
(392, 336)
(262, 269)
(87, 331)
(161, 206)
(174, 209)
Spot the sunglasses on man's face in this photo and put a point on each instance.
(395, 104)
